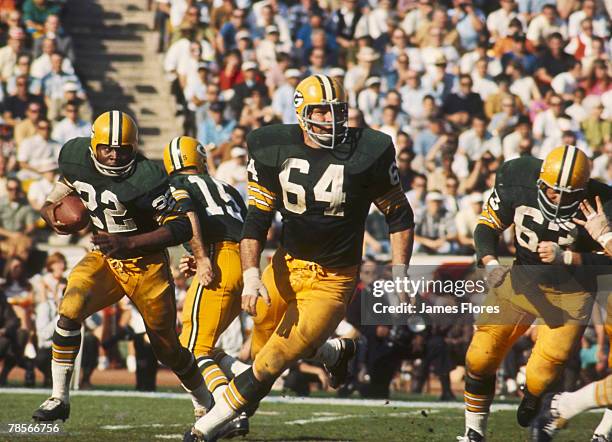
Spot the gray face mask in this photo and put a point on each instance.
(338, 125)
(556, 212)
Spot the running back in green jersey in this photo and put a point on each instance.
(133, 204)
(219, 207)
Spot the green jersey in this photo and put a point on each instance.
(135, 203)
(219, 207)
(514, 201)
(323, 195)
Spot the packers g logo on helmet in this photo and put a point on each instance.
(566, 170)
(321, 90)
(184, 152)
(115, 129)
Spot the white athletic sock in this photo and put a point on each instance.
(232, 367)
(200, 397)
(571, 404)
(218, 393)
(217, 416)
(61, 374)
(476, 421)
(65, 348)
(605, 425)
(329, 352)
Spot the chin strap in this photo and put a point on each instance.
(110, 170)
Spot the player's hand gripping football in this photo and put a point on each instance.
(596, 223)
(48, 214)
(111, 245)
(253, 288)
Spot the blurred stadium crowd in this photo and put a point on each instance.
(460, 86)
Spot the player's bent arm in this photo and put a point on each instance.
(60, 190)
(197, 242)
(173, 232)
(486, 240)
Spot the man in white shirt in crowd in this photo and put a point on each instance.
(282, 100)
(41, 66)
(412, 94)
(37, 151)
(566, 83)
(483, 82)
(513, 141)
(233, 171)
(476, 141)
(588, 10)
(70, 126)
(9, 53)
(546, 123)
(545, 24)
(498, 21)
(40, 189)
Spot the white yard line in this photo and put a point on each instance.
(270, 399)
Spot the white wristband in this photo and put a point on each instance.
(568, 258)
(59, 191)
(493, 262)
(250, 273)
(603, 239)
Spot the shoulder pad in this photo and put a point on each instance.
(74, 156)
(148, 174)
(368, 146)
(270, 145)
(520, 172)
(266, 143)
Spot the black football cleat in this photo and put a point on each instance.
(51, 410)
(239, 426)
(339, 372)
(471, 436)
(548, 421)
(194, 435)
(527, 409)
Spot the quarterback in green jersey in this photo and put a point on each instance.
(216, 211)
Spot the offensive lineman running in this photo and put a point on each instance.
(322, 176)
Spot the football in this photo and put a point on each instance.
(71, 211)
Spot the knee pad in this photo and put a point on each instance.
(484, 355)
(541, 372)
(71, 308)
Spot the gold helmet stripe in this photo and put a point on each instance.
(568, 162)
(175, 153)
(326, 87)
(115, 129)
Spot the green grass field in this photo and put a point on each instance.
(148, 419)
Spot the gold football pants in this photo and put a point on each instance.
(208, 311)
(496, 334)
(97, 282)
(308, 301)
